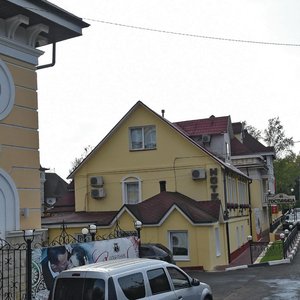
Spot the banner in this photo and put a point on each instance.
(47, 263)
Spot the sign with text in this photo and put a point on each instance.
(281, 199)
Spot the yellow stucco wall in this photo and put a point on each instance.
(19, 155)
(172, 161)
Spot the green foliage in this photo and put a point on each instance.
(287, 174)
(274, 136)
(77, 161)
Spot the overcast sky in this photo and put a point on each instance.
(98, 77)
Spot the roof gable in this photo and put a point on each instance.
(153, 210)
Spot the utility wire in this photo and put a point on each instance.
(185, 34)
(194, 35)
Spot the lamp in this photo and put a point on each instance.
(93, 230)
(138, 226)
(28, 236)
(84, 232)
(282, 235)
(249, 238)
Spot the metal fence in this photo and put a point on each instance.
(12, 270)
(16, 260)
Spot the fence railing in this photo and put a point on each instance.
(16, 260)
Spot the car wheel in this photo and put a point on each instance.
(207, 298)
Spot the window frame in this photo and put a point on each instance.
(127, 180)
(171, 246)
(144, 143)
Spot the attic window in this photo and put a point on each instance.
(142, 138)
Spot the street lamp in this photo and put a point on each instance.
(249, 238)
(286, 232)
(282, 236)
(28, 236)
(93, 230)
(138, 226)
(84, 232)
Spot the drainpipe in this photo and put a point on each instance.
(53, 59)
(250, 209)
(227, 225)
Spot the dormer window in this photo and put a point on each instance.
(142, 138)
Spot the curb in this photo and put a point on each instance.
(273, 262)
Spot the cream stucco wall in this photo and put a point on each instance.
(19, 143)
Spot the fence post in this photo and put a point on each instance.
(28, 237)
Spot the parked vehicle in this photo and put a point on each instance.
(124, 279)
(156, 251)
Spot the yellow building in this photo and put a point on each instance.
(23, 29)
(151, 170)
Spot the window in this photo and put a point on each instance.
(178, 241)
(242, 192)
(131, 190)
(73, 288)
(217, 237)
(179, 280)
(158, 281)
(133, 286)
(142, 138)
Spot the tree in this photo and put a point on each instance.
(256, 133)
(287, 173)
(274, 136)
(76, 162)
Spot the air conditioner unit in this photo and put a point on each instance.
(96, 181)
(198, 174)
(98, 193)
(206, 138)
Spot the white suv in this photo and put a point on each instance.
(128, 279)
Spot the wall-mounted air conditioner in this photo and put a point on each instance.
(98, 193)
(198, 174)
(96, 181)
(206, 138)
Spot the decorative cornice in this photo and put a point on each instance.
(19, 42)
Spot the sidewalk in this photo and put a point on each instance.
(244, 260)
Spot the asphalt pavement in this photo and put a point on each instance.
(262, 282)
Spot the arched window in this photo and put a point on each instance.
(131, 190)
(9, 205)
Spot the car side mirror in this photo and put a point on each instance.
(195, 282)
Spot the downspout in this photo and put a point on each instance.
(53, 59)
(227, 225)
(250, 209)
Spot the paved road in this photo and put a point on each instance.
(256, 283)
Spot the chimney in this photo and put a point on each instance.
(162, 185)
(163, 113)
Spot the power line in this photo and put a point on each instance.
(194, 35)
(185, 34)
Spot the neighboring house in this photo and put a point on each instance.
(255, 160)
(25, 25)
(151, 170)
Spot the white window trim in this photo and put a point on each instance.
(143, 138)
(180, 257)
(129, 179)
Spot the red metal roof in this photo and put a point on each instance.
(212, 125)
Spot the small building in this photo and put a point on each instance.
(151, 170)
